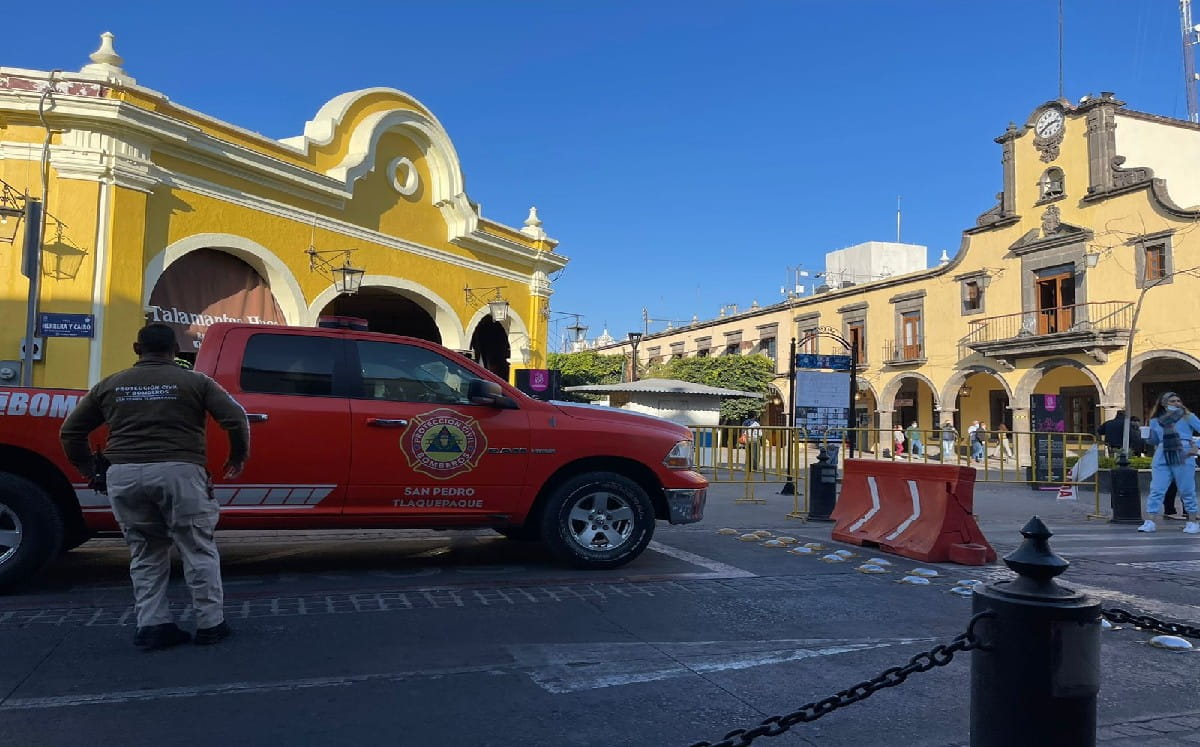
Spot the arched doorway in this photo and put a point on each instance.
(206, 286)
(1079, 395)
(983, 396)
(774, 414)
(489, 344)
(866, 412)
(1163, 374)
(387, 311)
(911, 398)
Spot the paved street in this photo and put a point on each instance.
(467, 638)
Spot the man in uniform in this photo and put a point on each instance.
(159, 488)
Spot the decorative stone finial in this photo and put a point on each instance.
(106, 55)
(1034, 560)
(944, 259)
(105, 61)
(533, 225)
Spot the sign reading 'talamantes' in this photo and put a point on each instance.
(209, 286)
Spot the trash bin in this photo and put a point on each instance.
(822, 488)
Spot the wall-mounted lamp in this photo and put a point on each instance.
(984, 280)
(964, 391)
(346, 277)
(1091, 259)
(497, 306)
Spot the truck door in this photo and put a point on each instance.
(420, 448)
(293, 388)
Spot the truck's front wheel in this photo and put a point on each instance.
(598, 520)
(31, 530)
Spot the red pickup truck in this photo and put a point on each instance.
(354, 429)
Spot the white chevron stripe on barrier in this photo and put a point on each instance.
(874, 505)
(916, 514)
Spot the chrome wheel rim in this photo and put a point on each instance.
(601, 521)
(11, 533)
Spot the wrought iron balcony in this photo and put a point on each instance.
(1092, 328)
(898, 354)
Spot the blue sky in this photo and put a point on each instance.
(684, 153)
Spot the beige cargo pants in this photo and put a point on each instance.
(160, 504)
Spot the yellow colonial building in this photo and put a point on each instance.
(155, 211)
(1099, 207)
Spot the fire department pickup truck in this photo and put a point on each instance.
(354, 429)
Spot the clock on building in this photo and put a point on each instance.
(1048, 124)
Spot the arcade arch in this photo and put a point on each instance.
(397, 306)
(1152, 373)
(1078, 388)
(907, 398)
(979, 393)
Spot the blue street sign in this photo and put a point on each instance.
(835, 362)
(67, 325)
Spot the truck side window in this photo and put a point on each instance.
(407, 373)
(289, 364)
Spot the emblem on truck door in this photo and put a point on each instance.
(443, 443)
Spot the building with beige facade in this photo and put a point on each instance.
(1099, 206)
(160, 212)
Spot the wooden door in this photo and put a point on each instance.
(1056, 303)
(910, 333)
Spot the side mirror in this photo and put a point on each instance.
(489, 393)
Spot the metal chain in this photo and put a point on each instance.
(1150, 623)
(938, 656)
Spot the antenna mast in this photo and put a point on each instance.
(1189, 59)
(897, 219)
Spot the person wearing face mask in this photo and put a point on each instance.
(1172, 432)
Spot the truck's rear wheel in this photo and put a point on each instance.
(598, 520)
(31, 530)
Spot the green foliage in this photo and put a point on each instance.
(1136, 462)
(586, 367)
(747, 373)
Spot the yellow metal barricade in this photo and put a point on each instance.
(754, 456)
(762, 455)
(1035, 458)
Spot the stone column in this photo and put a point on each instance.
(1022, 440)
(885, 433)
(943, 415)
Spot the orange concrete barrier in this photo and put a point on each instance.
(919, 511)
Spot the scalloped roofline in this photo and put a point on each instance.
(323, 126)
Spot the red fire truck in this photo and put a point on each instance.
(354, 429)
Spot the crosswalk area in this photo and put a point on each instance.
(1168, 549)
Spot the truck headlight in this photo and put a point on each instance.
(680, 456)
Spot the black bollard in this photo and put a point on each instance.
(822, 488)
(1125, 493)
(1036, 683)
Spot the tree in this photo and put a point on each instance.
(587, 367)
(747, 373)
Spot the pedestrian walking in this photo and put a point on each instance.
(1137, 444)
(1113, 433)
(157, 483)
(753, 440)
(916, 446)
(1172, 432)
(898, 439)
(979, 441)
(1003, 444)
(949, 439)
